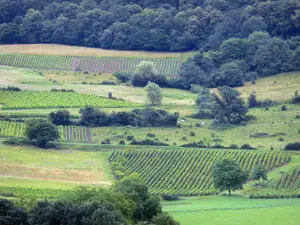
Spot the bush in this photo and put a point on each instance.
(170, 197)
(259, 135)
(247, 147)
(61, 117)
(148, 142)
(18, 141)
(151, 135)
(283, 108)
(192, 133)
(122, 76)
(122, 142)
(280, 139)
(105, 142)
(130, 138)
(107, 82)
(62, 90)
(11, 88)
(293, 146)
(233, 146)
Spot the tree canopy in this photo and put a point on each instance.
(228, 175)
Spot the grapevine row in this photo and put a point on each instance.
(165, 66)
(188, 172)
(78, 134)
(45, 100)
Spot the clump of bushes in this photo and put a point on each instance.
(280, 139)
(122, 76)
(295, 146)
(122, 142)
(105, 142)
(11, 88)
(148, 142)
(247, 147)
(296, 98)
(259, 135)
(62, 90)
(283, 108)
(170, 197)
(233, 146)
(107, 82)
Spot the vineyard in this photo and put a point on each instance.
(46, 100)
(288, 186)
(165, 66)
(187, 172)
(77, 134)
(22, 192)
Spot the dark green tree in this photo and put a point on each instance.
(61, 117)
(164, 219)
(252, 102)
(91, 116)
(11, 214)
(259, 172)
(228, 175)
(41, 131)
(229, 107)
(147, 205)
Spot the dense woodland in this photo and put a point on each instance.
(238, 40)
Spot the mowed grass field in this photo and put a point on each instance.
(234, 210)
(58, 168)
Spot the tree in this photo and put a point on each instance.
(259, 172)
(229, 107)
(228, 175)
(91, 116)
(147, 205)
(61, 117)
(205, 103)
(11, 214)
(41, 131)
(154, 94)
(252, 102)
(146, 69)
(164, 219)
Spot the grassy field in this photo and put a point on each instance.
(43, 166)
(65, 50)
(234, 210)
(274, 122)
(279, 88)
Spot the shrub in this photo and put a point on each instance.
(297, 116)
(170, 197)
(15, 141)
(192, 133)
(148, 142)
(107, 82)
(61, 117)
(106, 141)
(233, 146)
(283, 108)
(293, 146)
(130, 138)
(280, 139)
(123, 76)
(184, 138)
(62, 90)
(122, 142)
(151, 135)
(217, 140)
(259, 135)
(11, 88)
(247, 147)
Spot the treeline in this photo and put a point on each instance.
(94, 117)
(127, 202)
(174, 25)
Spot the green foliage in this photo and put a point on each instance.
(228, 175)
(122, 76)
(229, 107)
(154, 94)
(11, 214)
(61, 117)
(41, 131)
(188, 172)
(293, 146)
(164, 219)
(45, 100)
(259, 172)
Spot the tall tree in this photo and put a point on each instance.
(229, 107)
(259, 172)
(228, 175)
(154, 94)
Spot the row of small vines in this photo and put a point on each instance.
(77, 134)
(287, 186)
(186, 172)
(166, 66)
(46, 100)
